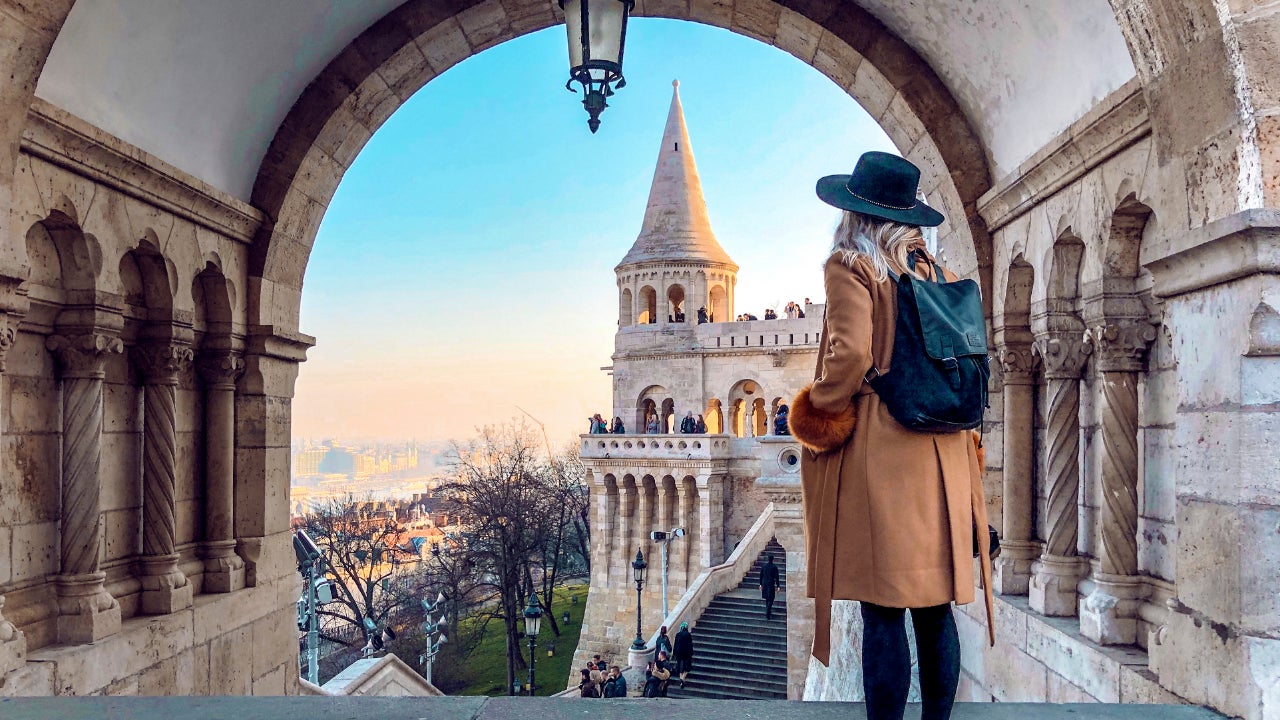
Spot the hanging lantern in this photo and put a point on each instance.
(597, 36)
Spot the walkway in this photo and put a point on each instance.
(511, 708)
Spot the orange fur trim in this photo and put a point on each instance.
(819, 430)
(982, 452)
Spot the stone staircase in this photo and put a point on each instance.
(737, 655)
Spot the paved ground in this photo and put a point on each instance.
(467, 708)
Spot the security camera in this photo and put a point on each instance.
(677, 532)
(658, 535)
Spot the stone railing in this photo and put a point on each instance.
(649, 447)
(720, 578)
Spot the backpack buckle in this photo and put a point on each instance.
(872, 374)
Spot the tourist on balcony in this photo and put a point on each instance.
(688, 425)
(768, 585)
(780, 421)
(617, 428)
(598, 425)
(702, 315)
(769, 314)
(683, 653)
(888, 510)
(651, 424)
(701, 427)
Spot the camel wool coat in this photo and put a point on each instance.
(889, 516)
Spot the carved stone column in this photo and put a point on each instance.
(626, 507)
(606, 509)
(164, 588)
(1057, 572)
(645, 524)
(86, 611)
(710, 520)
(1109, 615)
(223, 568)
(1011, 572)
(663, 521)
(689, 522)
(13, 642)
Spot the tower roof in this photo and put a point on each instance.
(676, 226)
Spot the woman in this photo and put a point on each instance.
(683, 654)
(664, 641)
(651, 424)
(618, 427)
(700, 428)
(894, 509)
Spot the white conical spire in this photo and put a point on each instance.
(676, 226)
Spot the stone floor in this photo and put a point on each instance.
(468, 708)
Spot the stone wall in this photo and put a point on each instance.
(144, 544)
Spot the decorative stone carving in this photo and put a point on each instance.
(223, 568)
(1109, 614)
(1011, 573)
(87, 612)
(164, 588)
(1121, 345)
(1053, 589)
(8, 333)
(13, 645)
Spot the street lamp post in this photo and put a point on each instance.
(597, 37)
(639, 570)
(532, 624)
(665, 538)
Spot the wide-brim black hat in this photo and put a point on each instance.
(883, 186)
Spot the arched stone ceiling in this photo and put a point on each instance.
(204, 85)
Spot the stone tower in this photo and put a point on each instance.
(676, 266)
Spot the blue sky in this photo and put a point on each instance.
(465, 265)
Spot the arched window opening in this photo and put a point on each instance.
(714, 417)
(739, 417)
(649, 405)
(668, 415)
(675, 304)
(759, 418)
(648, 306)
(719, 310)
(625, 318)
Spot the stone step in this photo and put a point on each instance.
(776, 626)
(721, 656)
(744, 637)
(723, 691)
(762, 674)
(740, 614)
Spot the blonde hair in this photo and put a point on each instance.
(876, 240)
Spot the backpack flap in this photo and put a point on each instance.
(951, 320)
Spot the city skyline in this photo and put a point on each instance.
(453, 329)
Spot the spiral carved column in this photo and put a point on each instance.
(1109, 613)
(223, 568)
(164, 588)
(1057, 572)
(1011, 572)
(13, 642)
(86, 611)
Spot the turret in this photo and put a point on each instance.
(676, 266)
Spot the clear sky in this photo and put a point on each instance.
(465, 265)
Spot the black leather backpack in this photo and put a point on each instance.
(937, 379)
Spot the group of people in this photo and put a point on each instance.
(601, 680)
(672, 660)
(598, 426)
(793, 311)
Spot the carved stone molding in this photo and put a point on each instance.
(1017, 363)
(83, 355)
(13, 645)
(1121, 345)
(1064, 353)
(220, 369)
(162, 363)
(8, 334)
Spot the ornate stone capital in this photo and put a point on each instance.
(83, 355)
(8, 333)
(1121, 345)
(1064, 353)
(162, 363)
(1017, 363)
(220, 368)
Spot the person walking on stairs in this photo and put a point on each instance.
(768, 585)
(683, 653)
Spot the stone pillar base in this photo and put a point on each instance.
(13, 645)
(1109, 616)
(86, 611)
(1011, 572)
(223, 569)
(164, 588)
(637, 661)
(1053, 590)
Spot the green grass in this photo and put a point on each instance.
(488, 662)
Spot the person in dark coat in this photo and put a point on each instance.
(616, 685)
(701, 427)
(683, 652)
(768, 585)
(662, 669)
(688, 425)
(663, 644)
(780, 421)
(587, 688)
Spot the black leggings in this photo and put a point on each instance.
(886, 660)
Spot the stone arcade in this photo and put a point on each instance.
(1110, 174)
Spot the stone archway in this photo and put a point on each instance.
(372, 77)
